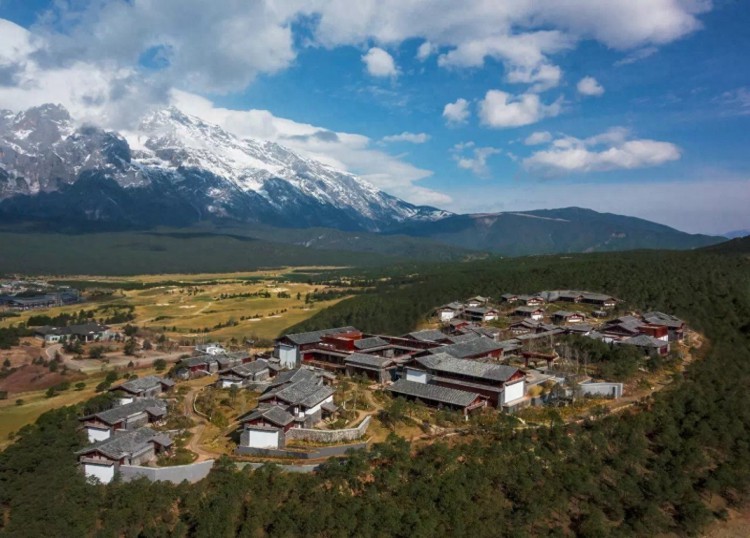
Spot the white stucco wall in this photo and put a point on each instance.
(416, 375)
(513, 392)
(103, 473)
(287, 356)
(316, 408)
(126, 400)
(537, 317)
(263, 439)
(97, 435)
(447, 315)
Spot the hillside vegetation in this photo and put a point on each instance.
(670, 465)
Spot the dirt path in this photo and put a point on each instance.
(194, 445)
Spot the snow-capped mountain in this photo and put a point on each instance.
(177, 169)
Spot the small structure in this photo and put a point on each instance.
(86, 332)
(144, 387)
(213, 348)
(437, 396)
(289, 348)
(648, 344)
(565, 316)
(476, 302)
(379, 369)
(449, 311)
(509, 298)
(675, 326)
(245, 374)
(531, 300)
(102, 425)
(100, 461)
(308, 401)
(531, 312)
(480, 313)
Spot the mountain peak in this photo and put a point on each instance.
(209, 172)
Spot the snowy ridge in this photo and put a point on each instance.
(43, 151)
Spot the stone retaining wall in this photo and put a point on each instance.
(329, 436)
(312, 454)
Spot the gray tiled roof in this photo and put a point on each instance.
(372, 361)
(470, 348)
(116, 414)
(369, 343)
(427, 335)
(200, 359)
(274, 414)
(293, 376)
(455, 305)
(315, 336)
(127, 443)
(643, 340)
(142, 384)
(447, 364)
(248, 369)
(468, 337)
(660, 318)
(304, 393)
(433, 393)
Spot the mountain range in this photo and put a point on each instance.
(179, 171)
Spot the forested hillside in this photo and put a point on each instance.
(670, 465)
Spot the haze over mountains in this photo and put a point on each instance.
(177, 170)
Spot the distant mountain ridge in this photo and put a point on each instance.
(179, 171)
(548, 231)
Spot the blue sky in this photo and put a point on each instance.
(640, 107)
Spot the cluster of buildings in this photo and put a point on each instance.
(28, 295)
(122, 435)
(85, 332)
(469, 363)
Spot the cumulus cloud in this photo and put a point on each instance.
(589, 86)
(522, 35)
(424, 51)
(379, 63)
(612, 150)
(457, 112)
(413, 138)
(472, 158)
(345, 151)
(499, 109)
(538, 137)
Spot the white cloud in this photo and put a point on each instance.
(379, 63)
(611, 150)
(736, 101)
(522, 35)
(413, 138)
(590, 86)
(538, 137)
(636, 56)
(499, 109)
(476, 160)
(424, 51)
(346, 151)
(457, 113)
(543, 77)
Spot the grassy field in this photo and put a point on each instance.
(206, 305)
(13, 417)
